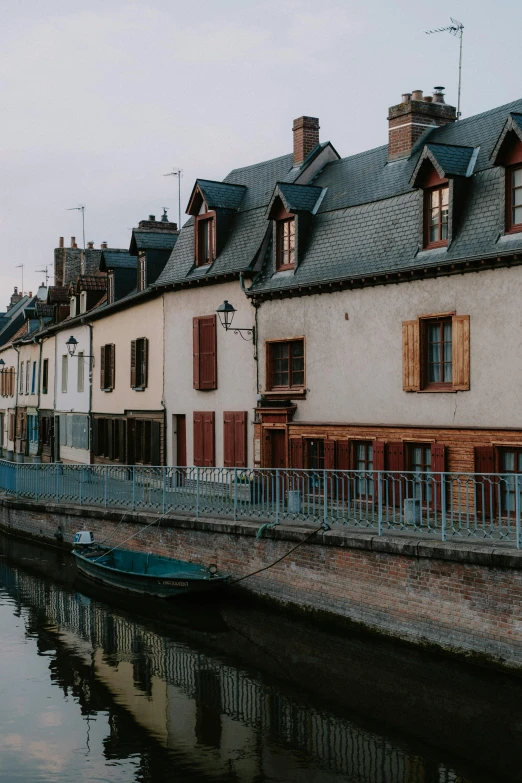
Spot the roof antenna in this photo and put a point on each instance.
(177, 173)
(80, 208)
(21, 266)
(44, 272)
(456, 28)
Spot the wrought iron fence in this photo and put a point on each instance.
(465, 505)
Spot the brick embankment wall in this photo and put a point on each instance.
(460, 597)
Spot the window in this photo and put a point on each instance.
(32, 428)
(11, 431)
(204, 450)
(285, 364)
(83, 302)
(110, 288)
(285, 237)
(363, 461)
(45, 376)
(235, 439)
(436, 353)
(72, 306)
(419, 461)
(514, 199)
(139, 363)
(142, 272)
(64, 373)
(314, 453)
(204, 240)
(204, 339)
(27, 375)
(81, 372)
(33, 379)
(436, 211)
(107, 367)
(74, 430)
(21, 379)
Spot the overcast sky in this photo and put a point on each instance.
(99, 99)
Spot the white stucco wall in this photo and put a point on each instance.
(7, 403)
(354, 367)
(143, 320)
(235, 366)
(29, 352)
(72, 399)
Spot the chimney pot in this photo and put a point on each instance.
(416, 95)
(30, 294)
(104, 245)
(90, 245)
(73, 241)
(438, 95)
(152, 217)
(60, 243)
(406, 97)
(409, 121)
(306, 137)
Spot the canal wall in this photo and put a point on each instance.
(460, 597)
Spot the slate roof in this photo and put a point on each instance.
(221, 195)
(514, 123)
(449, 160)
(368, 221)
(297, 198)
(97, 282)
(44, 310)
(117, 259)
(152, 240)
(58, 294)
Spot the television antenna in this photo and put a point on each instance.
(80, 208)
(44, 272)
(21, 266)
(456, 28)
(177, 173)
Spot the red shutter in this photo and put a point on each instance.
(195, 352)
(208, 440)
(486, 486)
(240, 439)
(198, 440)
(133, 365)
(102, 367)
(296, 452)
(228, 440)
(395, 480)
(207, 353)
(145, 363)
(329, 454)
(438, 466)
(378, 464)
(343, 455)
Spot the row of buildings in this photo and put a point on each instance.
(376, 319)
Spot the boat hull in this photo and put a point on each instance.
(162, 586)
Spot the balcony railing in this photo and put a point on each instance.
(461, 505)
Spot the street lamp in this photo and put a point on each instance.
(72, 345)
(2, 363)
(226, 312)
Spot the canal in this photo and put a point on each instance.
(95, 689)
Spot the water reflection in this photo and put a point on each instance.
(156, 707)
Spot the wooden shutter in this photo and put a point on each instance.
(195, 352)
(208, 440)
(395, 480)
(133, 364)
(95, 438)
(155, 443)
(145, 378)
(329, 454)
(121, 440)
(410, 356)
(207, 353)
(198, 440)
(12, 381)
(228, 439)
(343, 454)
(102, 367)
(131, 441)
(112, 365)
(11, 427)
(109, 450)
(240, 439)
(486, 486)
(461, 353)
(438, 462)
(297, 452)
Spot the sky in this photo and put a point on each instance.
(99, 99)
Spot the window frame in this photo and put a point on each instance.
(427, 243)
(427, 385)
(45, 376)
(140, 357)
(511, 228)
(65, 373)
(142, 272)
(110, 287)
(281, 241)
(109, 367)
(200, 220)
(269, 350)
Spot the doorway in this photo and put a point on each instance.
(275, 454)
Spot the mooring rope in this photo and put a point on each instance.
(154, 522)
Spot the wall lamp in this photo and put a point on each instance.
(72, 345)
(226, 312)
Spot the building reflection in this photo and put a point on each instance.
(172, 703)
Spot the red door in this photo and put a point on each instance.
(277, 449)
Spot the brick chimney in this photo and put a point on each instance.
(306, 137)
(410, 119)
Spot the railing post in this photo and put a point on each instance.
(325, 497)
(517, 509)
(164, 490)
(134, 487)
(235, 494)
(81, 484)
(197, 492)
(443, 506)
(106, 492)
(16, 479)
(277, 495)
(379, 501)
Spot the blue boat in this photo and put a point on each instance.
(145, 573)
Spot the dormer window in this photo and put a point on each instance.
(142, 272)
(436, 213)
(514, 199)
(110, 288)
(285, 238)
(204, 240)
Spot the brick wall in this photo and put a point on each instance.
(460, 597)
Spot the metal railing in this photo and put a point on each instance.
(464, 505)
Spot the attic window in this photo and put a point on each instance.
(436, 212)
(110, 288)
(204, 239)
(285, 238)
(142, 272)
(514, 199)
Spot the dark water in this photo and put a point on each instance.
(94, 690)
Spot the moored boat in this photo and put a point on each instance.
(144, 572)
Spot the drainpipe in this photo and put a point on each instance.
(91, 363)
(39, 393)
(17, 380)
(255, 305)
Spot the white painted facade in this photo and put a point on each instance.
(72, 394)
(28, 388)
(8, 401)
(236, 369)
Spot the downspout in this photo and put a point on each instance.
(91, 362)
(255, 330)
(16, 396)
(39, 393)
